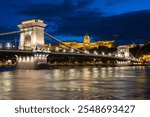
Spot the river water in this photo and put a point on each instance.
(76, 82)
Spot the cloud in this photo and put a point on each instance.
(130, 26)
(50, 9)
(84, 3)
(54, 13)
(113, 2)
(46, 10)
(76, 19)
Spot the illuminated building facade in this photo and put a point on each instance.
(34, 35)
(145, 57)
(88, 45)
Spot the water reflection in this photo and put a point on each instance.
(6, 85)
(76, 83)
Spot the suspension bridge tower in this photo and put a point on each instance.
(123, 51)
(32, 34)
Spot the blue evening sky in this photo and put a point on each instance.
(72, 19)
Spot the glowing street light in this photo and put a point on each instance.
(13, 46)
(64, 50)
(85, 51)
(95, 53)
(28, 59)
(8, 45)
(24, 59)
(56, 49)
(119, 55)
(20, 59)
(103, 53)
(72, 50)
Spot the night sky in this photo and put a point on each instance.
(68, 20)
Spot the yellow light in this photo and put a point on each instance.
(64, 50)
(95, 52)
(20, 59)
(28, 59)
(23, 60)
(103, 53)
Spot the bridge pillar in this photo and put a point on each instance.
(32, 62)
(33, 35)
(123, 51)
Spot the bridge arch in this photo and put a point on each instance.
(27, 42)
(32, 34)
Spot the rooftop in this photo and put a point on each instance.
(32, 20)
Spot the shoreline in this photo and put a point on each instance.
(102, 65)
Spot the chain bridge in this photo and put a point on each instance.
(31, 52)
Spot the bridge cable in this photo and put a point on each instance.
(14, 32)
(53, 38)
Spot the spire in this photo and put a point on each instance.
(86, 34)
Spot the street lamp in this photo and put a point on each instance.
(13, 47)
(109, 54)
(95, 52)
(56, 49)
(64, 50)
(8, 45)
(72, 50)
(103, 53)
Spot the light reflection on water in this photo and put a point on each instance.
(76, 83)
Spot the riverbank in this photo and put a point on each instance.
(7, 65)
(83, 64)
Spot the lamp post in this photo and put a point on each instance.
(95, 53)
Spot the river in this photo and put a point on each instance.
(75, 82)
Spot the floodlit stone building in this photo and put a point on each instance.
(87, 44)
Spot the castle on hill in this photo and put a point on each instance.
(87, 44)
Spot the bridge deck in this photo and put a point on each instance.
(59, 54)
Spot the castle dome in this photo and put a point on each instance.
(86, 39)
